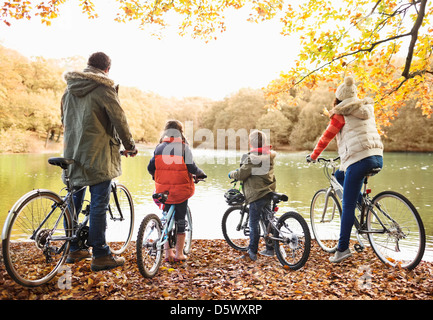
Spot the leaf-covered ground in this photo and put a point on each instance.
(212, 272)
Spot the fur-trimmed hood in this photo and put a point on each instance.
(360, 108)
(81, 83)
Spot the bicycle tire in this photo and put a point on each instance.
(326, 229)
(403, 244)
(120, 225)
(35, 262)
(294, 250)
(149, 254)
(234, 227)
(188, 232)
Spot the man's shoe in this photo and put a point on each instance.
(107, 263)
(340, 256)
(78, 255)
(268, 253)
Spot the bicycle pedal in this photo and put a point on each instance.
(358, 248)
(247, 231)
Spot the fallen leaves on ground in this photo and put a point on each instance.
(213, 272)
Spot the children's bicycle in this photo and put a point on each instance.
(288, 233)
(155, 232)
(388, 220)
(40, 226)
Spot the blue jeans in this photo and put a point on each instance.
(256, 210)
(352, 181)
(100, 198)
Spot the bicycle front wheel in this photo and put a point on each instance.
(120, 219)
(395, 230)
(325, 215)
(35, 239)
(188, 232)
(149, 254)
(292, 246)
(235, 227)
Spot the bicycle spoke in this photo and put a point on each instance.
(399, 237)
(120, 219)
(37, 239)
(149, 253)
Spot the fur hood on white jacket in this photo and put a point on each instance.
(360, 108)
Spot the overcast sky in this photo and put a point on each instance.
(246, 55)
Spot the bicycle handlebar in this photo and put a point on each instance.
(327, 160)
(127, 153)
(198, 179)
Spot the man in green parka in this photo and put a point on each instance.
(95, 126)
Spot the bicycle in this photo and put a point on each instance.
(388, 220)
(288, 234)
(40, 226)
(154, 232)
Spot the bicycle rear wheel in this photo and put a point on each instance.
(325, 215)
(235, 227)
(293, 247)
(149, 254)
(188, 232)
(35, 238)
(397, 233)
(120, 218)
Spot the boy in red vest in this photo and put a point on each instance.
(172, 167)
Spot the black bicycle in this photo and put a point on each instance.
(287, 233)
(388, 220)
(41, 225)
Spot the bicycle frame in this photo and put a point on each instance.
(364, 207)
(167, 227)
(267, 215)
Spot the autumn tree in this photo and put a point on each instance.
(363, 38)
(337, 38)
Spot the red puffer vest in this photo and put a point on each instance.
(171, 172)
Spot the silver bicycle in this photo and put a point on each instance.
(389, 221)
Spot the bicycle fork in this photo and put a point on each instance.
(325, 207)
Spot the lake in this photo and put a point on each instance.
(410, 174)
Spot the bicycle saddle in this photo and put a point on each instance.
(161, 197)
(373, 171)
(61, 162)
(277, 197)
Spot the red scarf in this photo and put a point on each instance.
(262, 150)
(172, 139)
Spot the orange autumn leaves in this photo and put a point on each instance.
(213, 272)
(386, 45)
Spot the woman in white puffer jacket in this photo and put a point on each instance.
(360, 149)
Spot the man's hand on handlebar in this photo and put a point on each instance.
(129, 153)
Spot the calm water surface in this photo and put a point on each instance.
(410, 174)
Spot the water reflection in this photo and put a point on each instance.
(409, 174)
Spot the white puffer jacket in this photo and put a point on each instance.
(359, 138)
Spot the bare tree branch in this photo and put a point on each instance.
(414, 34)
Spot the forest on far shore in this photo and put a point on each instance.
(30, 92)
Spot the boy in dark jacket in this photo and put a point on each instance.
(257, 174)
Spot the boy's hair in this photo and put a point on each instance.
(173, 128)
(257, 139)
(100, 61)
